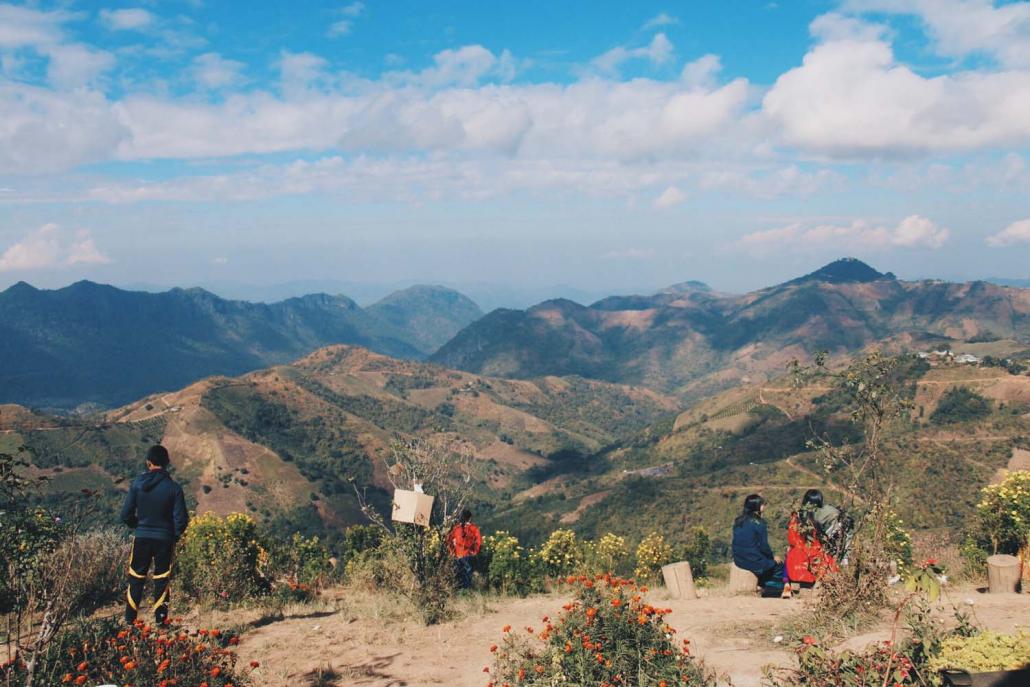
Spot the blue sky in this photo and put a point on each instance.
(608, 146)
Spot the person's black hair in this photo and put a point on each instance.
(466, 515)
(813, 497)
(158, 455)
(752, 510)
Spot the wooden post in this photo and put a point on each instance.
(1003, 573)
(742, 581)
(679, 580)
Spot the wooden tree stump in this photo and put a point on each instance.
(742, 581)
(1003, 573)
(679, 580)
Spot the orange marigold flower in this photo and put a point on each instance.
(591, 612)
(255, 664)
(130, 665)
(81, 680)
(486, 669)
(163, 666)
(522, 673)
(216, 671)
(808, 640)
(493, 648)
(67, 676)
(506, 628)
(568, 647)
(82, 667)
(616, 602)
(538, 668)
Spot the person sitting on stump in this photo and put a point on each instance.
(808, 561)
(464, 542)
(751, 550)
(156, 509)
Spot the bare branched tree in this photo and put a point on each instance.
(443, 470)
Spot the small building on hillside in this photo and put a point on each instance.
(967, 359)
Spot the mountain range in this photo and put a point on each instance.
(96, 344)
(93, 344)
(692, 341)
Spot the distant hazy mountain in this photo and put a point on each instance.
(91, 343)
(1018, 283)
(428, 315)
(692, 340)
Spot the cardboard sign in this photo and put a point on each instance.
(411, 506)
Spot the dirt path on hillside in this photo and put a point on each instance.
(372, 641)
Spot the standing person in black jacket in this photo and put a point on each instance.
(156, 509)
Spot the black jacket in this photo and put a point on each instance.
(751, 550)
(155, 507)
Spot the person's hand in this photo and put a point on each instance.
(777, 559)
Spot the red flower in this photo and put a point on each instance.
(254, 664)
(808, 640)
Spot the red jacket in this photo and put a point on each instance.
(806, 560)
(464, 540)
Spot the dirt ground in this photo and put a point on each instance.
(372, 640)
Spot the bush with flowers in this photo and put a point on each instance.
(608, 635)
(221, 560)
(302, 561)
(1002, 518)
(652, 553)
(107, 652)
(561, 554)
(983, 653)
(609, 553)
(508, 567)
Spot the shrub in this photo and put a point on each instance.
(607, 635)
(698, 551)
(106, 651)
(220, 559)
(960, 404)
(1003, 514)
(561, 554)
(302, 561)
(510, 569)
(652, 554)
(609, 553)
(822, 667)
(983, 653)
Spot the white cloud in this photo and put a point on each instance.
(129, 19)
(660, 19)
(212, 71)
(353, 10)
(702, 72)
(913, 231)
(340, 28)
(343, 27)
(850, 98)
(24, 27)
(299, 72)
(50, 247)
(74, 65)
(658, 52)
(83, 251)
(670, 196)
(44, 131)
(963, 27)
(1017, 232)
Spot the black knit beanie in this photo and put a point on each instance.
(158, 455)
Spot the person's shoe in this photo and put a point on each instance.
(787, 594)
